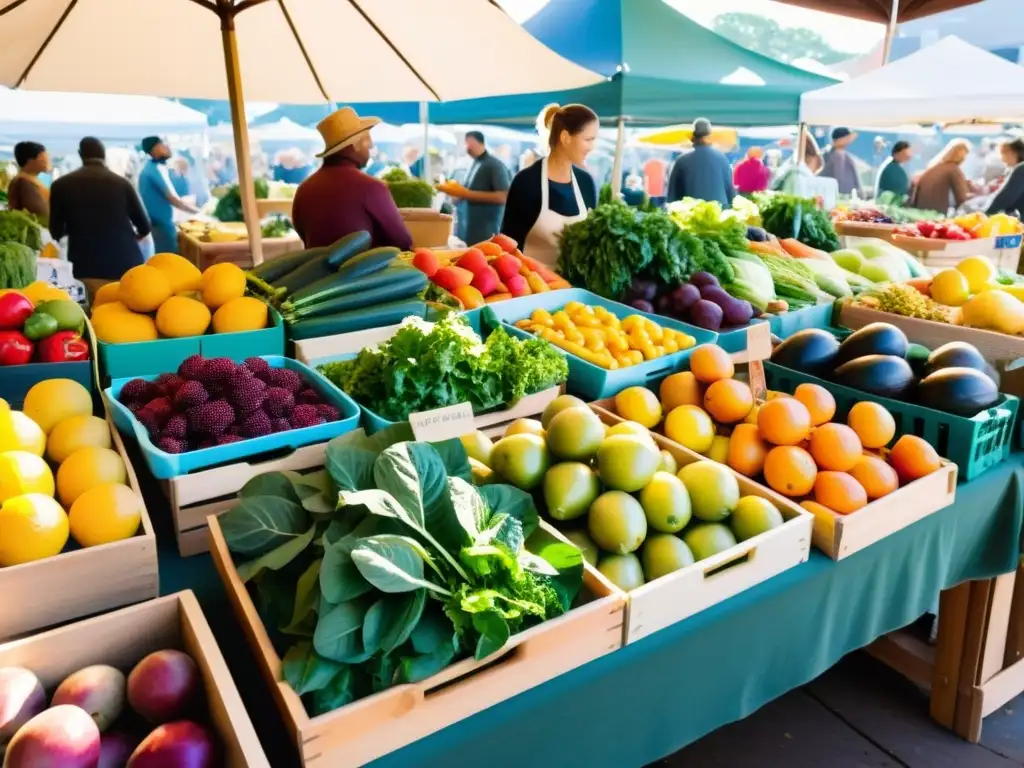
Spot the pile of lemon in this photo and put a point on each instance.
(169, 297)
(87, 498)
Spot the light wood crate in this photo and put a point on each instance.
(84, 581)
(204, 254)
(384, 722)
(196, 496)
(994, 347)
(683, 593)
(124, 637)
(839, 536)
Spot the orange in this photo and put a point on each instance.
(784, 421)
(817, 509)
(679, 389)
(819, 402)
(790, 470)
(913, 458)
(877, 477)
(839, 492)
(873, 424)
(728, 400)
(746, 450)
(835, 447)
(710, 363)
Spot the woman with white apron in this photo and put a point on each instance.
(555, 192)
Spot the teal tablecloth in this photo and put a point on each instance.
(654, 697)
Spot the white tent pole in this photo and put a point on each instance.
(801, 144)
(620, 141)
(241, 132)
(890, 32)
(425, 122)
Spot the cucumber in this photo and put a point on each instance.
(335, 285)
(309, 271)
(368, 262)
(357, 320)
(402, 287)
(275, 269)
(348, 247)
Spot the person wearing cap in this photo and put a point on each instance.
(101, 215)
(892, 176)
(158, 195)
(839, 162)
(483, 193)
(751, 174)
(339, 198)
(704, 173)
(26, 192)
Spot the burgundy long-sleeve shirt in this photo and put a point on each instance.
(340, 199)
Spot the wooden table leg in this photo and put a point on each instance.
(949, 644)
(967, 722)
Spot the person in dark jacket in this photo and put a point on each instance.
(892, 176)
(839, 163)
(704, 173)
(1010, 197)
(101, 215)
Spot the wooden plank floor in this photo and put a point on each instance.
(859, 714)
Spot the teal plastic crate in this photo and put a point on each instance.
(17, 380)
(788, 323)
(586, 379)
(167, 465)
(974, 444)
(151, 358)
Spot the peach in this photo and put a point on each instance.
(181, 744)
(62, 736)
(163, 686)
(99, 690)
(21, 698)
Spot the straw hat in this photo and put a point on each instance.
(340, 129)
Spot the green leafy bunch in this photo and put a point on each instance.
(17, 265)
(428, 365)
(20, 227)
(414, 569)
(229, 206)
(787, 216)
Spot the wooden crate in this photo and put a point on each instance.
(204, 254)
(839, 536)
(196, 496)
(379, 724)
(690, 590)
(994, 347)
(84, 581)
(865, 229)
(268, 206)
(123, 638)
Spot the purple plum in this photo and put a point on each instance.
(706, 314)
(700, 279)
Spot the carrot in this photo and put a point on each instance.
(922, 284)
(535, 266)
(770, 249)
(798, 250)
(558, 284)
(498, 297)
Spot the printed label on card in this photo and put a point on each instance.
(442, 423)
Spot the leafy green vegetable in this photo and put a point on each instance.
(707, 220)
(17, 265)
(277, 226)
(229, 206)
(430, 365)
(788, 216)
(20, 227)
(418, 566)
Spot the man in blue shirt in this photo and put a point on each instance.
(704, 173)
(158, 195)
(483, 193)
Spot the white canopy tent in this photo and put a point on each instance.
(60, 120)
(946, 83)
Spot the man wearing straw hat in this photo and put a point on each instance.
(340, 198)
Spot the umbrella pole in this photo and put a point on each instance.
(801, 144)
(890, 32)
(620, 140)
(241, 133)
(425, 122)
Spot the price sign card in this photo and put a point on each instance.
(446, 423)
(759, 341)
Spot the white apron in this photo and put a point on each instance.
(542, 240)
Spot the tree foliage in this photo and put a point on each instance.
(766, 36)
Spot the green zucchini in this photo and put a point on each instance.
(275, 269)
(304, 274)
(357, 320)
(339, 285)
(348, 247)
(368, 262)
(403, 287)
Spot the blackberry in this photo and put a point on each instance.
(136, 390)
(278, 402)
(328, 412)
(286, 379)
(258, 366)
(212, 418)
(168, 383)
(191, 394)
(246, 392)
(191, 368)
(219, 369)
(306, 416)
(257, 424)
(176, 427)
(171, 445)
(281, 424)
(308, 396)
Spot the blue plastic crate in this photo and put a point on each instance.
(151, 358)
(167, 465)
(586, 379)
(788, 323)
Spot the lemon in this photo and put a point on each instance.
(106, 294)
(143, 288)
(23, 472)
(179, 317)
(28, 436)
(630, 428)
(181, 274)
(616, 523)
(978, 270)
(624, 571)
(221, 283)
(662, 554)
(105, 513)
(666, 503)
(32, 526)
(86, 468)
(243, 314)
(50, 402)
(123, 327)
(76, 432)
(691, 427)
(108, 307)
(639, 404)
(719, 450)
(950, 287)
(668, 462)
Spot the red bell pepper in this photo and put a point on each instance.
(14, 311)
(15, 349)
(63, 347)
